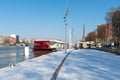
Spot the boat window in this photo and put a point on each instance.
(36, 44)
(47, 43)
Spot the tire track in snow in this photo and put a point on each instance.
(55, 74)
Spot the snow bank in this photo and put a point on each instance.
(80, 65)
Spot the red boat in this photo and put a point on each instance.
(42, 45)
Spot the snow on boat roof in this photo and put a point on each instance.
(41, 40)
(51, 40)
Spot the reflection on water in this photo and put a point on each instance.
(10, 55)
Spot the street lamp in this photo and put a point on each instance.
(65, 20)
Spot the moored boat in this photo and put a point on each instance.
(42, 45)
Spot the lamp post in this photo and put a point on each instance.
(96, 40)
(107, 31)
(65, 21)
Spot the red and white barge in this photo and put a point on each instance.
(42, 45)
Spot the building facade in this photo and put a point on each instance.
(109, 32)
(3, 39)
(16, 37)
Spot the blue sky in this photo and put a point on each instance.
(44, 18)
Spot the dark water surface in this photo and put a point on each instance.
(13, 55)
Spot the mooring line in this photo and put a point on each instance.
(55, 74)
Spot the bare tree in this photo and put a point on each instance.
(91, 36)
(109, 15)
(101, 33)
(113, 18)
(116, 24)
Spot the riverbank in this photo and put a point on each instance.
(83, 64)
(15, 54)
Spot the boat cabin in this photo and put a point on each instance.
(42, 45)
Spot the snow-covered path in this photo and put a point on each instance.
(79, 65)
(90, 65)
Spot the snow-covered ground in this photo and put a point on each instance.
(90, 65)
(83, 64)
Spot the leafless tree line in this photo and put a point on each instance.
(113, 18)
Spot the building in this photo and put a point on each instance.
(3, 39)
(104, 34)
(109, 32)
(86, 44)
(12, 41)
(16, 37)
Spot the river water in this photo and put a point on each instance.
(13, 55)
